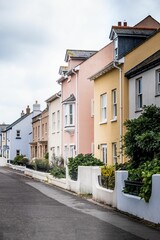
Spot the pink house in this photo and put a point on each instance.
(78, 98)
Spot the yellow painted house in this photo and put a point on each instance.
(111, 105)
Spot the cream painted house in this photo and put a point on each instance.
(54, 128)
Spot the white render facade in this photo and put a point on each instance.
(54, 130)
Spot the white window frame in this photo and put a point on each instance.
(58, 120)
(104, 153)
(158, 82)
(139, 95)
(69, 115)
(114, 152)
(114, 104)
(72, 148)
(104, 107)
(53, 122)
(116, 48)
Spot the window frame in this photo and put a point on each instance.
(103, 98)
(157, 82)
(69, 115)
(114, 104)
(18, 134)
(139, 94)
(104, 153)
(53, 122)
(114, 152)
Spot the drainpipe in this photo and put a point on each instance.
(120, 108)
(74, 71)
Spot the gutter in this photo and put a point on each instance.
(120, 107)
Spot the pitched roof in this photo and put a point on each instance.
(71, 98)
(148, 21)
(146, 27)
(54, 97)
(78, 54)
(104, 70)
(147, 64)
(16, 122)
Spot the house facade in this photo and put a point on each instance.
(19, 134)
(39, 143)
(144, 78)
(111, 89)
(54, 126)
(78, 100)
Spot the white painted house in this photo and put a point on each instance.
(144, 85)
(19, 134)
(54, 131)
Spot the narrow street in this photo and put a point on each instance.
(36, 211)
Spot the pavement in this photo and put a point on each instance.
(31, 209)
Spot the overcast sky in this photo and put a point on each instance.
(34, 35)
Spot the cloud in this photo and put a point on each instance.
(36, 33)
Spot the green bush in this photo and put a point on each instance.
(144, 174)
(81, 160)
(20, 160)
(142, 139)
(42, 165)
(58, 171)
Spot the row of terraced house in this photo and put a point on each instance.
(99, 91)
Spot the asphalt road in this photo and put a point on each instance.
(33, 210)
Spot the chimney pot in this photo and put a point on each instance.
(119, 24)
(28, 110)
(22, 113)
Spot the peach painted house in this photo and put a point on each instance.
(111, 90)
(39, 144)
(78, 99)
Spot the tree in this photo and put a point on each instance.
(142, 139)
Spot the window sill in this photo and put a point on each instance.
(139, 110)
(104, 122)
(113, 120)
(157, 95)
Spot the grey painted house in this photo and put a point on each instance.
(144, 85)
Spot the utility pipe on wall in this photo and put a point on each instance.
(75, 72)
(120, 108)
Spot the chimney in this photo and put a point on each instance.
(22, 113)
(119, 24)
(28, 110)
(36, 106)
(125, 23)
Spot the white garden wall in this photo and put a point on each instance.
(135, 205)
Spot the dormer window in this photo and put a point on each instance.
(115, 48)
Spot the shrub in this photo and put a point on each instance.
(108, 176)
(58, 171)
(81, 160)
(142, 139)
(144, 174)
(20, 160)
(42, 165)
